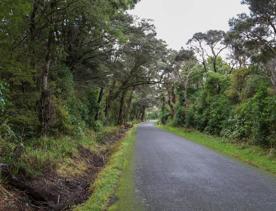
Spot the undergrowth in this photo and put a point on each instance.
(36, 155)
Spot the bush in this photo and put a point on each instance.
(2, 97)
(263, 109)
(254, 119)
(217, 114)
(216, 83)
(106, 133)
(98, 125)
(180, 116)
(164, 115)
(239, 124)
(7, 133)
(190, 117)
(196, 115)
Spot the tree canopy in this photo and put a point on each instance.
(67, 66)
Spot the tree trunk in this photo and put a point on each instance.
(99, 102)
(214, 59)
(129, 101)
(173, 95)
(108, 100)
(215, 64)
(33, 31)
(205, 66)
(45, 98)
(143, 114)
(121, 110)
(170, 103)
(45, 108)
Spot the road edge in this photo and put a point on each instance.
(106, 184)
(251, 155)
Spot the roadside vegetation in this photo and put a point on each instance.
(55, 175)
(75, 75)
(253, 155)
(41, 153)
(233, 98)
(115, 182)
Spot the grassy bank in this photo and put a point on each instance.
(37, 154)
(253, 155)
(110, 184)
(125, 191)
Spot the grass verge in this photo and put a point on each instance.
(253, 155)
(57, 153)
(109, 181)
(125, 192)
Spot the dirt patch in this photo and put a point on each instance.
(13, 200)
(51, 191)
(60, 193)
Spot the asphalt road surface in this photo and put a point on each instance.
(175, 174)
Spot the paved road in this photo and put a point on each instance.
(175, 174)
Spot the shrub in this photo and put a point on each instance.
(254, 119)
(216, 83)
(98, 125)
(2, 97)
(217, 114)
(180, 116)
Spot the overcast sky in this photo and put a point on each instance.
(177, 20)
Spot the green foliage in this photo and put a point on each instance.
(238, 100)
(92, 107)
(221, 66)
(104, 134)
(3, 100)
(239, 106)
(216, 83)
(153, 115)
(254, 119)
(217, 114)
(209, 114)
(164, 115)
(180, 116)
(22, 99)
(125, 190)
(37, 154)
(98, 125)
(211, 110)
(6, 133)
(40, 54)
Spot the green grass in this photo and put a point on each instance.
(253, 155)
(40, 153)
(110, 181)
(125, 192)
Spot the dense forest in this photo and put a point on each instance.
(72, 67)
(225, 82)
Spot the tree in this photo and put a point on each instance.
(54, 54)
(214, 39)
(197, 44)
(256, 33)
(137, 62)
